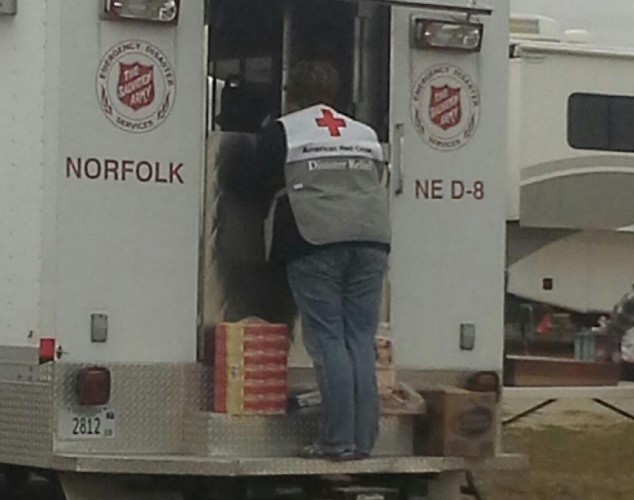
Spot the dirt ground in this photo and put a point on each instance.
(576, 451)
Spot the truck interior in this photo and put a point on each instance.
(252, 44)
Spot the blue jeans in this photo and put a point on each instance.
(338, 293)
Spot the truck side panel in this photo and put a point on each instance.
(21, 121)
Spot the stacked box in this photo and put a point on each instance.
(251, 368)
(385, 372)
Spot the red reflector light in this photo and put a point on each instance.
(93, 386)
(47, 350)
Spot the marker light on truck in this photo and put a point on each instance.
(93, 386)
(47, 350)
(159, 11)
(447, 35)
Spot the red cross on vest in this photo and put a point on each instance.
(333, 124)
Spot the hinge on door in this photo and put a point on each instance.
(397, 158)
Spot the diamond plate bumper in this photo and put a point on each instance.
(163, 428)
(182, 465)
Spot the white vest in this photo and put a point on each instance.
(333, 172)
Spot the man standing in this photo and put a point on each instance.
(329, 224)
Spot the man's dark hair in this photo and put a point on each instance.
(313, 82)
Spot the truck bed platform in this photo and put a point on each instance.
(291, 466)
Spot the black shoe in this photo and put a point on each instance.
(316, 452)
(344, 456)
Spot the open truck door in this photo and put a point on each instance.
(448, 138)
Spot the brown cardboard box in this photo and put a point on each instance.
(461, 423)
(384, 352)
(402, 400)
(386, 380)
(385, 371)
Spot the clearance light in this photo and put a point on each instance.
(93, 386)
(47, 350)
(447, 35)
(157, 11)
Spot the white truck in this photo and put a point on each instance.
(571, 161)
(122, 247)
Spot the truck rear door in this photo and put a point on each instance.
(448, 98)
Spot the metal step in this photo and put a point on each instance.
(221, 435)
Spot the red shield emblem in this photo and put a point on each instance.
(444, 106)
(136, 85)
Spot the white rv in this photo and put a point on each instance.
(122, 247)
(570, 211)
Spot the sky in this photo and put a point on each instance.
(610, 22)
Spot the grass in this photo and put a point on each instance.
(594, 462)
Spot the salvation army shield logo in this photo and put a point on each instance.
(445, 107)
(136, 86)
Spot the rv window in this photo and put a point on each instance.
(601, 122)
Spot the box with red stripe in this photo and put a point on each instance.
(251, 368)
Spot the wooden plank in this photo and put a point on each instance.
(526, 371)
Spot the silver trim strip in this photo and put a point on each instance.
(536, 48)
(604, 163)
(573, 172)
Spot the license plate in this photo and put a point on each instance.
(98, 423)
